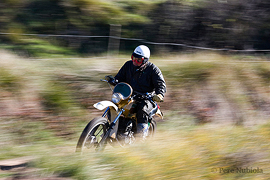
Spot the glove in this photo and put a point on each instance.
(111, 80)
(158, 97)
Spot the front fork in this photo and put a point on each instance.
(106, 112)
(112, 131)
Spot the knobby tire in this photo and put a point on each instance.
(96, 125)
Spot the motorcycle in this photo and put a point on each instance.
(118, 124)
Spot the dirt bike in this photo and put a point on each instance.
(118, 123)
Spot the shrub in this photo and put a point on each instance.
(9, 81)
(56, 98)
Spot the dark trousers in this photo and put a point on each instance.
(144, 108)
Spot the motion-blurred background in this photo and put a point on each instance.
(229, 24)
(214, 55)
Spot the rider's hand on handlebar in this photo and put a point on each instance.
(158, 97)
(111, 80)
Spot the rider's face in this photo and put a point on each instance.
(137, 61)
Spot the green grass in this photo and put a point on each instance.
(195, 71)
(38, 48)
(56, 98)
(9, 81)
(263, 71)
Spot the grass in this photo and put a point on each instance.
(56, 98)
(9, 81)
(37, 48)
(191, 152)
(263, 71)
(212, 90)
(189, 72)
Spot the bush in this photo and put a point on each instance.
(9, 81)
(56, 98)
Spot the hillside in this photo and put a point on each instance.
(45, 104)
(210, 87)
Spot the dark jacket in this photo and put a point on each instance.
(147, 78)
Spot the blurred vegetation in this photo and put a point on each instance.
(56, 98)
(263, 71)
(229, 24)
(9, 81)
(216, 117)
(217, 107)
(195, 72)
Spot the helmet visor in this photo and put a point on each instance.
(136, 55)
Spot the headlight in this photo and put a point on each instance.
(117, 97)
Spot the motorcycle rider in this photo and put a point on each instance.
(143, 76)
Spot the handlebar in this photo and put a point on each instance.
(147, 95)
(111, 81)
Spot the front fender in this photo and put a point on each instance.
(104, 104)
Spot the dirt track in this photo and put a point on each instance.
(20, 169)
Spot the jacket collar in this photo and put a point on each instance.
(143, 67)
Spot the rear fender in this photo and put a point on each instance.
(159, 113)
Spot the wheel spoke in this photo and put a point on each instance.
(94, 137)
(97, 134)
(92, 134)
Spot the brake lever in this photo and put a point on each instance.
(104, 80)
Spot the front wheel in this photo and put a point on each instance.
(92, 134)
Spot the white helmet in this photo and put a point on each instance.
(142, 51)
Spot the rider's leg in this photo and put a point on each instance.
(143, 109)
(142, 130)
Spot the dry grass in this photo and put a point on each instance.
(45, 105)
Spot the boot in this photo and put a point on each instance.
(142, 130)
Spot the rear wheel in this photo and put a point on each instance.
(152, 128)
(92, 134)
